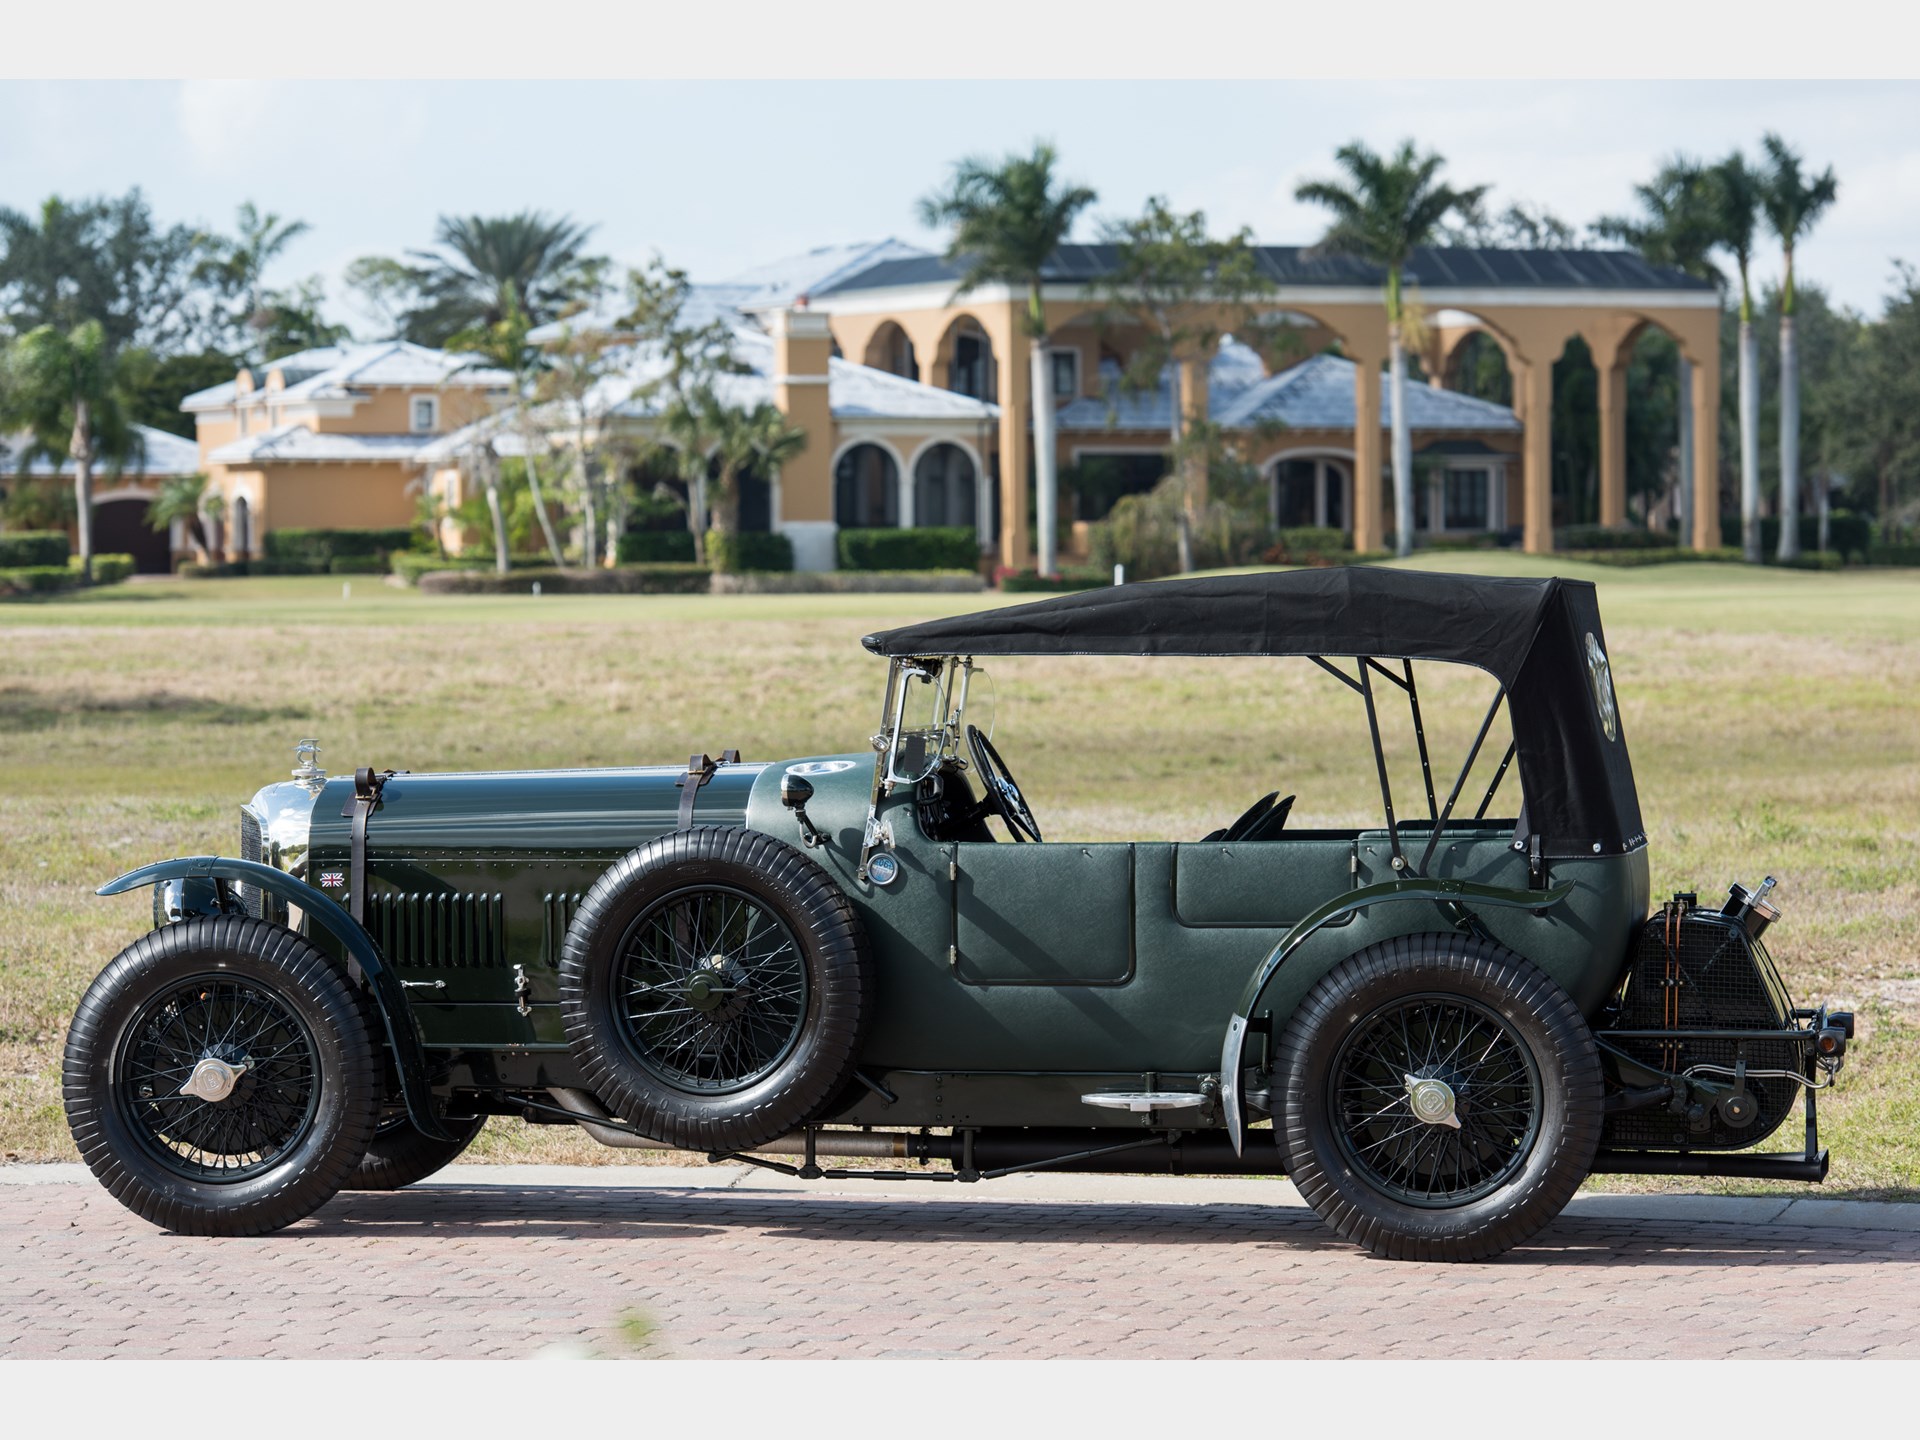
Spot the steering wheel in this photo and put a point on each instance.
(1002, 793)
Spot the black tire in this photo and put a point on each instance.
(728, 1049)
(400, 1155)
(1510, 1131)
(304, 1108)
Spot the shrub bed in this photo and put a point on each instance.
(32, 549)
(1668, 555)
(356, 565)
(1027, 582)
(655, 547)
(328, 545)
(107, 569)
(848, 582)
(625, 580)
(1612, 537)
(37, 579)
(933, 547)
(1848, 534)
(745, 550)
(410, 565)
(1893, 555)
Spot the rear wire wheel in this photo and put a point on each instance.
(1442, 1098)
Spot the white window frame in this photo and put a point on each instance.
(414, 402)
(1060, 396)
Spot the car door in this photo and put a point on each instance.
(1045, 914)
(1262, 884)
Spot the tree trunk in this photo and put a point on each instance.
(589, 511)
(1683, 506)
(501, 563)
(1183, 514)
(1749, 443)
(1821, 491)
(697, 517)
(726, 502)
(539, 500)
(1046, 478)
(1402, 441)
(81, 449)
(1789, 441)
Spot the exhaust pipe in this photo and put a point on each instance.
(837, 1144)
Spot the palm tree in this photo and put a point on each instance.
(1792, 202)
(1678, 226)
(1736, 204)
(65, 389)
(738, 441)
(484, 265)
(1008, 218)
(185, 498)
(1388, 208)
(238, 266)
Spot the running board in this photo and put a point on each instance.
(1809, 1168)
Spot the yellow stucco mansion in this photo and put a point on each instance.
(916, 401)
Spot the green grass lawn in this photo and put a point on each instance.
(1774, 719)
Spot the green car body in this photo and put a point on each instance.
(1115, 1005)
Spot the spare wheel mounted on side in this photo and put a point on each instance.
(715, 985)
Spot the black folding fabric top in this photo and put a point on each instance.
(1541, 639)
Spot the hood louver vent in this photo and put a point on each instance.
(444, 931)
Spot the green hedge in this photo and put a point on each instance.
(1612, 537)
(107, 569)
(655, 547)
(283, 567)
(933, 547)
(328, 545)
(32, 549)
(1848, 535)
(750, 550)
(1669, 555)
(410, 565)
(37, 579)
(1478, 540)
(217, 570)
(357, 565)
(1893, 555)
(1027, 582)
(626, 580)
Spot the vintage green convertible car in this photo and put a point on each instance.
(1448, 1019)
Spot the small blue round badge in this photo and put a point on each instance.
(883, 869)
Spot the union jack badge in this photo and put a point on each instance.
(332, 879)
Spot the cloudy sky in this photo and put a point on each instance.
(718, 176)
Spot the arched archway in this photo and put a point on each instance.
(866, 487)
(240, 528)
(120, 528)
(1311, 487)
(964, 361)
(1476, 364)
(946, 486)
(891, 349)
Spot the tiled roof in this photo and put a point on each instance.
(1316, 394)
(1298, 265)
(335, 371)
(164, 454)
(298, 443)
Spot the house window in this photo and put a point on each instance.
(425, 413)
(1065, 378)
(1466, 500)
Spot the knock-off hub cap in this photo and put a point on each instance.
(1431, 1101)
(213, 1079)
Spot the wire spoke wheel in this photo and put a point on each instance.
(219, 1078)
(1436, 1100)
(710, 989)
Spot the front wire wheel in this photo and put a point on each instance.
(1442, 1098)
(220, 1077)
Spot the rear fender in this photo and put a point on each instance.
(201, 893)
(1457, 900)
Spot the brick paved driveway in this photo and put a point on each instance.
(493, 1271)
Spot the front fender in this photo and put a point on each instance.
(1447, 893)
(409, 1055)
